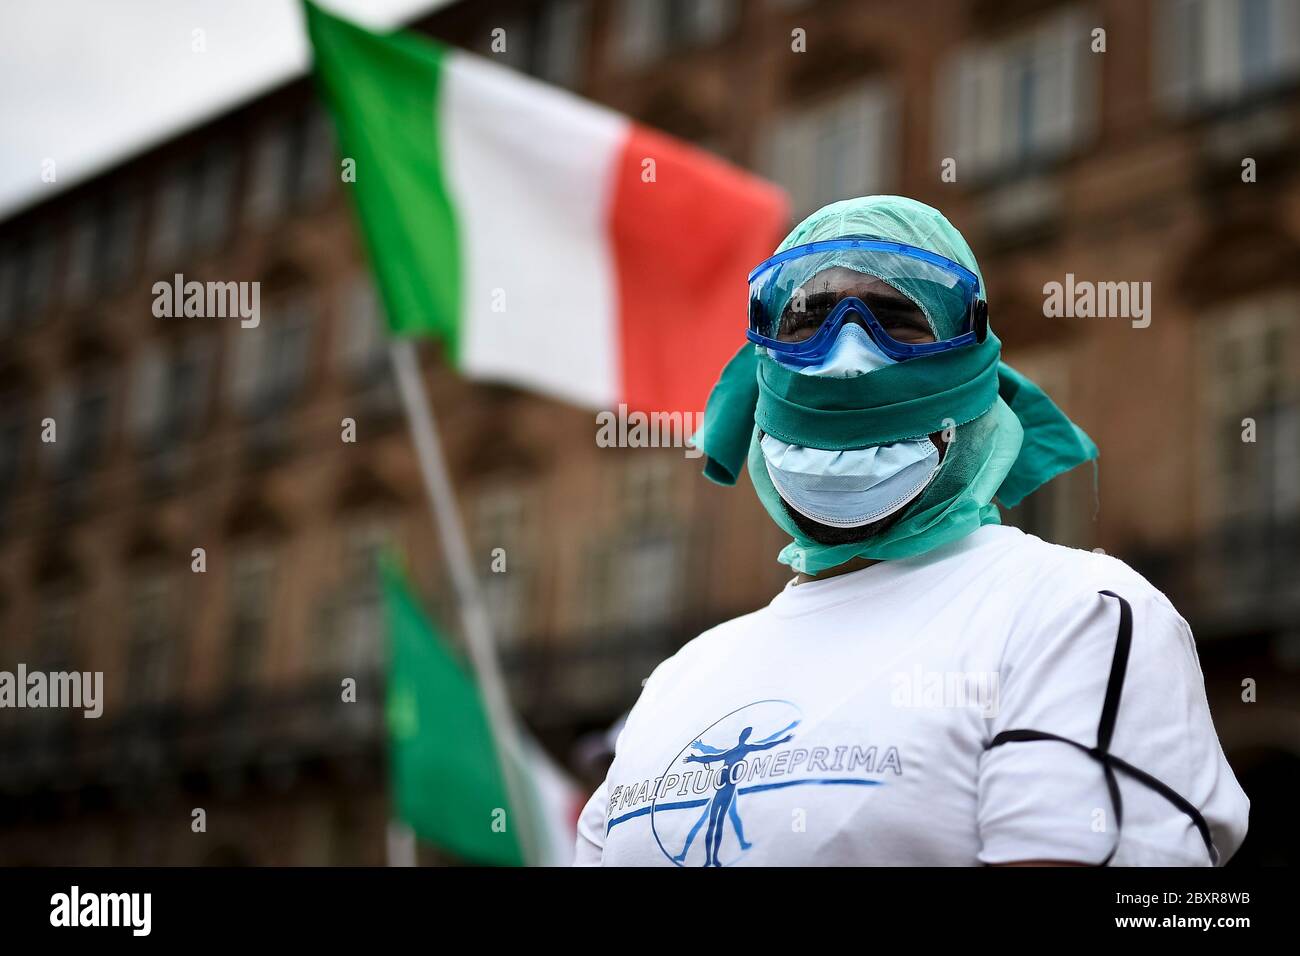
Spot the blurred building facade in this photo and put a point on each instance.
(1115, 157)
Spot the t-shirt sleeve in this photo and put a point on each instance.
(591, 830)
(1047, 800)
(592, 821)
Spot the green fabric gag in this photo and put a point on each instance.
(1006, 437)
(907, 400)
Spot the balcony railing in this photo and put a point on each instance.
(265, 733)
(242, 733)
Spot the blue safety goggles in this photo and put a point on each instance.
(799, 299)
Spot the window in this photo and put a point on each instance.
(190, 373)
(245, 366)
(634, 581)
(704, 21)
(518, 39)
(361, 349)
(1248, 498)
(356, 606)
(361, 344)
(12, 421)
(1216, 52)
(150, 663)
(645, 490)
(81, 272)
(641, 30)
(52, 649)
(269, 175)
(251, 588)
(501, 521)
(121, 233)
(168, 402)
(1023, 100)
(649, 566)
(562, 42)
(81, 423)
(215, 178)
(167, 240)
(37, 275)
(270, 372)
(649, 29)
(548, 42)
(56, 619)
(169, 391)
(364, 542)
(55, 630)
(649, 553)
(148, 386)
(284, 368)
(316, 156)
(101, 246)
(1251, 369)
(10, 283)
(837, 148)
(270, 365)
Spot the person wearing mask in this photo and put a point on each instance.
(932, 687)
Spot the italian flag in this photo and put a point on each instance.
(546, 241)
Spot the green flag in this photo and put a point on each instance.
(446, 779)
(381, 91)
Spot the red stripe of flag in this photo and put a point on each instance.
(683, 245)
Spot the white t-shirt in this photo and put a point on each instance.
(846, 723)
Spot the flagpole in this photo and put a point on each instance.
(473, 613)
(400, 844)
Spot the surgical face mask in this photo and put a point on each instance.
(847, 489)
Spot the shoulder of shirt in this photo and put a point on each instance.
(1060, 616)
(711, 641)
(1072, 575)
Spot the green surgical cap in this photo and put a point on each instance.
(1006, 443)
(897, 219)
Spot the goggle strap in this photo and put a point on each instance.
(979, 321)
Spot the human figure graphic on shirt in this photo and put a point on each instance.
(724, 801)
(732, 814)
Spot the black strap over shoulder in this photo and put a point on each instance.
(1106, 730)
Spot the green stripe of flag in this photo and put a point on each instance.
(383, 93)
(446, 779)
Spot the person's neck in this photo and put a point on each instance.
(853, 564)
